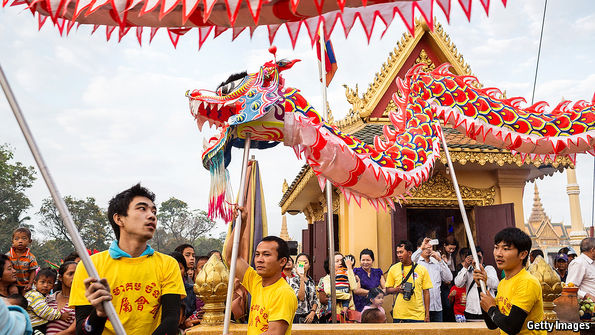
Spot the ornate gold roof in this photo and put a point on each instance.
(363, 106)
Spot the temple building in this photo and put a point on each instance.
(545, 234)
(491, 179)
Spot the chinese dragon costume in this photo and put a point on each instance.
(260, 104)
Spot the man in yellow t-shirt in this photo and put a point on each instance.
(273, 303)
(145, 286)
(518, 306)
(411, 283)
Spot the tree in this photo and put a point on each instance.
(89, 219)
(15, 179)
(204, 244)
(51, 250)
(178, 224)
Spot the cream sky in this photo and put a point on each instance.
(107, 115)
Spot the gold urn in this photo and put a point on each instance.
(551, 285)
(211, 287)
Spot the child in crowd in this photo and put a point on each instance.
(17, 300)
(458, 299)
(342, 284)
(375, 299)
(38, 309)
(23, 261)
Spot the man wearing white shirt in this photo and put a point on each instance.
(581, 271)
(465, 279)
(439, 272)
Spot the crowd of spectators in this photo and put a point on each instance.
(433, 281)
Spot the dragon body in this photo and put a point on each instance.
(403, 157)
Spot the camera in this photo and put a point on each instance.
(407, 288)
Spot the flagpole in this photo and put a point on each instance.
(461, 206)
(329, 187)
(79, 245)
(237, 229)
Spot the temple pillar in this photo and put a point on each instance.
(578, 230)
(363, 227)
(511, 184)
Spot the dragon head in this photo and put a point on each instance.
(240, 99)
(243, 104)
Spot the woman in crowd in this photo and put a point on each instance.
(367, 277)
(59, 300)
(305, 290)
(345, 285)
(8, 276)
(449, 252)
(288, 271)
(187, 251)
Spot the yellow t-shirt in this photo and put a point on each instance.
(272, 303)
(137, 285)
(413, 309)
(524, 291)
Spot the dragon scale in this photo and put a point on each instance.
(399, 160)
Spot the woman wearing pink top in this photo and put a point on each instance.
(59, 301)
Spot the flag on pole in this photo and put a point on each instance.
(330, 62)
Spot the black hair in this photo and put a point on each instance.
(282, 247)
(119, 204)
(536, 252)
(564, 250)
(451, 240)
(24, 230)
(46, 272)
(232, 78)
(464, 252)
(64, 267)
(326, 264)
(407, 245)
(420, 241)
(373, 293)
(308, 257)
(371, 315)
(367, 252)
(180, 258)
(199, 258)
(212, 252)
(180, 248)
(3, 260)
(515, 237)
(61, 271)
(71, 257)
(21, 301)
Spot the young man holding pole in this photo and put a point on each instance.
(274, 302)
(519, 302)
(145, 286)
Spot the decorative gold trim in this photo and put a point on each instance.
(425, 59)
(297, 190)
(388, 72)
(284, 186)
(439, 192)
(501, 158)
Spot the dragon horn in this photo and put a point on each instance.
(443, 69)
(414, 70)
